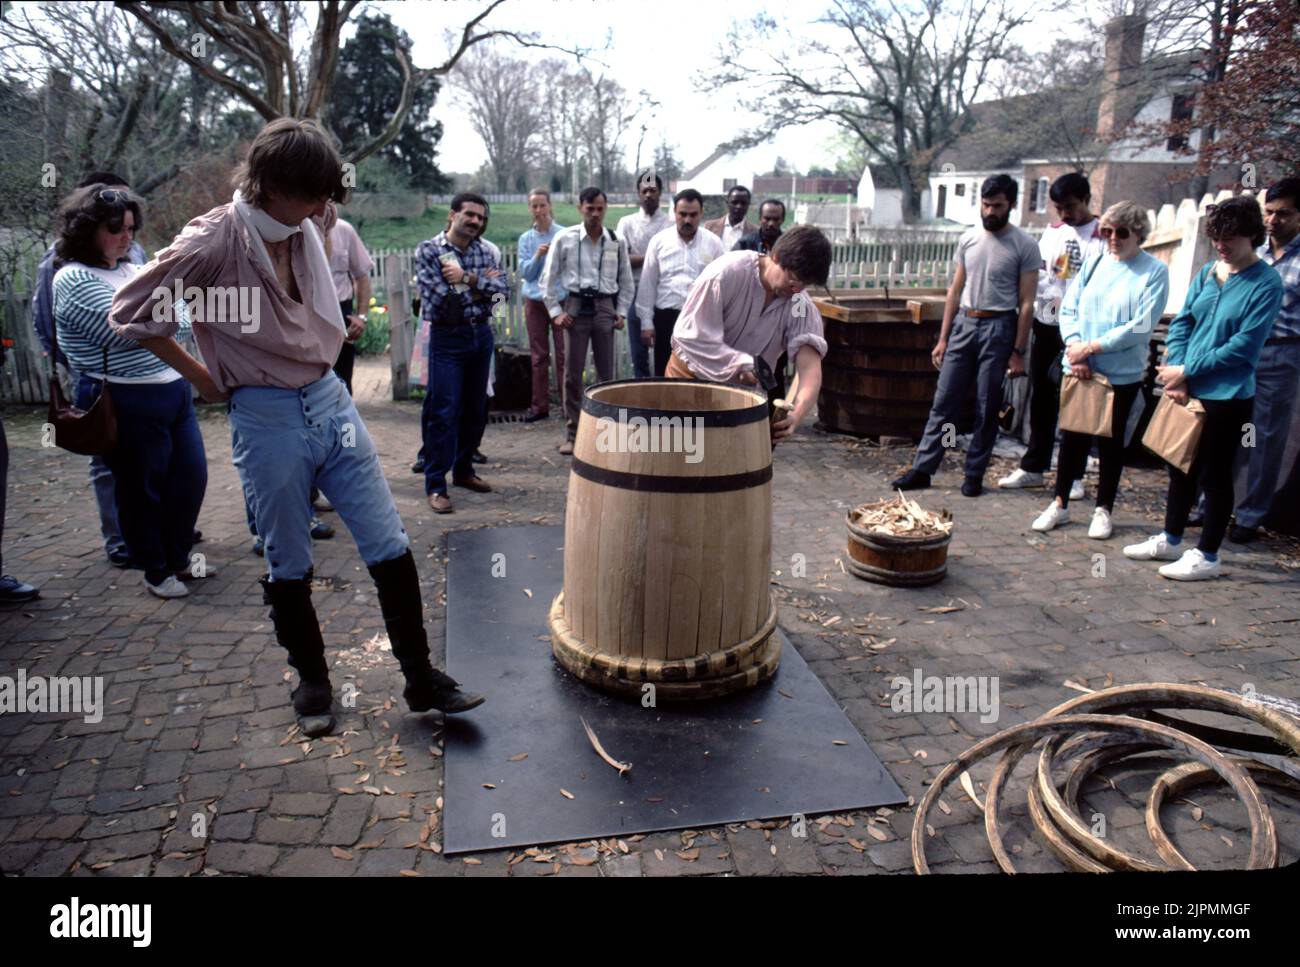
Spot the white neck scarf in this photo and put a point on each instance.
(261, 226)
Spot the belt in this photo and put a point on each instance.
(678, 368)
(463, 322)
(986, 313)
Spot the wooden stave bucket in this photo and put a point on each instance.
(617, 633)
(870, 557)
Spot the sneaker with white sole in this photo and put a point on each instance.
(1100, 528)
(168, 587)
(1076, 490)
(1021, 478)
(1192, 566)
(1154, 549)
(1054, 515)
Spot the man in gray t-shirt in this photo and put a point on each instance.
(985, 331)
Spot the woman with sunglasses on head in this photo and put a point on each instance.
(1214, 345)
(1107, 316)
(159, 465)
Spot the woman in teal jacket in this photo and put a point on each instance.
(1213, 347)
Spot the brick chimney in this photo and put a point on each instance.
(1119, 75)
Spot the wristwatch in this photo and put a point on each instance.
(1018, 351)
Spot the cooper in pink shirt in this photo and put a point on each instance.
(725, 322)
(746, 305)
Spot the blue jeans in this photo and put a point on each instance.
(160, 470)
(978, 350)
(101, 478)
(284, 441)
(455, 403)
(638, 350)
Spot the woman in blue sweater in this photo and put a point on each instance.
(159, 466)
(1107, 316)
(1213, 347)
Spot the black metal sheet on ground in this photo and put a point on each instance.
(755, 755)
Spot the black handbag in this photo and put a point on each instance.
(91, 432)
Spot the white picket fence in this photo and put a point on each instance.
(849, 270)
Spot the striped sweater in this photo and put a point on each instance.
(82, 298)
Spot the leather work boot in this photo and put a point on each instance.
(399, 600)
(298, 631)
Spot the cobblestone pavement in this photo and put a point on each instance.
(195, 767)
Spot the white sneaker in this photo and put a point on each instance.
(1021, 478)
(1100, 528)
(1076, 490)
(1054, 514)
(1192, 566)
(1153, 549)
(169, 587)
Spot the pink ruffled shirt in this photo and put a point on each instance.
(724, 324)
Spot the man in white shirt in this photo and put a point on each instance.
(1065, 247)
(591, 264)
(350, 266)
(734, 225)
(637, 229)
(673, 261)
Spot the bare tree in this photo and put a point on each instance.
(565, 106)
(503, 106)
(121, 83)
(610, 117)
(1205, 38)
(1049, 99)
(900, 77)
(263, 41)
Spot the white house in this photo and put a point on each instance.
(880, 200)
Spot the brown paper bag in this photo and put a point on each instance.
(1174, 433)
(1087, 405)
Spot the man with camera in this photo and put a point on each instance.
(589, 262)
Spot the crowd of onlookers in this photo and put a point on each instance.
(1081, 303)
(1089, 299)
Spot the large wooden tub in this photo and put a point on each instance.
(877, 378)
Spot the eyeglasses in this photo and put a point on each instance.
(1120, 232)
(113, 196)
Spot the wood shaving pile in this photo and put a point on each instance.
(901, 517)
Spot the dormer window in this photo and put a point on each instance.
(1181, 110)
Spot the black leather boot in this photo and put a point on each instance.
(298, 631)
(399, 600)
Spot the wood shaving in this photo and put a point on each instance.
(622, 767)
(901, 517)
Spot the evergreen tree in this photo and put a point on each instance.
(367, 91)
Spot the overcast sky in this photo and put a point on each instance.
(657, 45)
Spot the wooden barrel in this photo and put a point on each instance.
(668, 541)
(877, 377)
(905, 562)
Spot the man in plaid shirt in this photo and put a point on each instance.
(460, 283)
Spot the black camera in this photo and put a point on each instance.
(587, 301)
